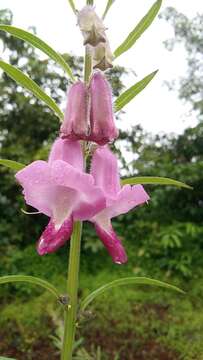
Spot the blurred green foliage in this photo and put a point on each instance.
(163, 239)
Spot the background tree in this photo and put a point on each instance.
(188, 32)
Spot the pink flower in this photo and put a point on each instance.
(89, 113)
(103, 129)
(61, 190)
(76, 123)
(119, 200)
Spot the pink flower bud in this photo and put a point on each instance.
(89, 113)
(76, 123)
(103, 129)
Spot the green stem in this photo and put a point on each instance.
(72, 291)
(88, 65)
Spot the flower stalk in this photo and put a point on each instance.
(72, 291)
(70, 317)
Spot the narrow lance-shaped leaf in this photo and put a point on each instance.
(32, 280)
(154, 180)
(134, 90)
(6, 358)
(127, 281)
(14, 165)
(40, 44)
(108, 5)
(139, 29)
(31, 86)
(72, 5)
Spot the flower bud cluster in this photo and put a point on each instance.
(94, 33)
(89, 113)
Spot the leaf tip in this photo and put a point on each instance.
(189, 187)
(186, 186)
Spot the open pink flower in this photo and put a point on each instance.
(119, 200)
(61, 190)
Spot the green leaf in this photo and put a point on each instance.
(139, 29)
(40, 44)
(72, 5)
(14, 165)
(127, 281)
(154, 180)
(6, 358)
(31, 86)
(134, 90)
(32, 280)
(108, 5)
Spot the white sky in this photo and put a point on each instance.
(155, 108)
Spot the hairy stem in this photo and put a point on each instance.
(88, 65)
(72, 291)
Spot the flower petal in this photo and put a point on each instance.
(53, 238)
(90, 203)
(39, 189)
(64, 174)
(128, 198)
(66, 200)
(112, 243)
(103, 129)
(76, 123)
(67, 150)
(42, 192)
(104, 169)
(90, 198)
